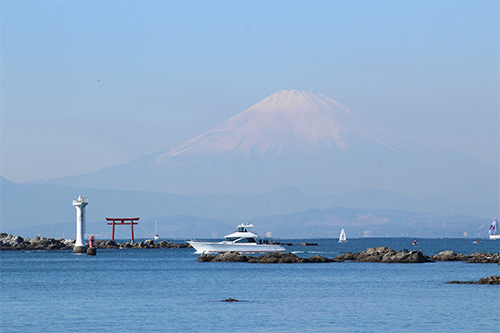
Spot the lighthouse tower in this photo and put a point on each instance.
(80, 203)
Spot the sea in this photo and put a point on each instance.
(168, 290)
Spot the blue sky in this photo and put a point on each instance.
(90, 84)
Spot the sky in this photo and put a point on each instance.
(91, 84)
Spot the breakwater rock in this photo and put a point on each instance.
(385, 255)
(288, 258)
(477, 257)
(273, 258)
(231, 256)
(494, 279)
(376, 254)
(9, 242)
(147, 244)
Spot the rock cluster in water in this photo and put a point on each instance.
(9, 242)
(272, 258)
(477, 257)
(375, 254)
(147, 244)
(494, 279)
(386, 255)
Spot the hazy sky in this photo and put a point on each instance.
(89, 84)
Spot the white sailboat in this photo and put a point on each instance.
(493, 230)
(156, 237)
(342, 238)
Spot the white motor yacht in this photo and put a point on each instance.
(242, 241)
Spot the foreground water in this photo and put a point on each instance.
(167, 290)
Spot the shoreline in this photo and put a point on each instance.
(376, 254)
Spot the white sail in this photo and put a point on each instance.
(156, 237)
(493, 230)
(342, 238)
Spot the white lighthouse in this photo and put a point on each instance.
(80, 203)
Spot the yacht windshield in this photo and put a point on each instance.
(246, 240)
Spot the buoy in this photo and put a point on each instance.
(91, 251)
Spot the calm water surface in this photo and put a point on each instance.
(167, 290)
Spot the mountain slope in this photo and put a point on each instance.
(283, 122)
(305, 140)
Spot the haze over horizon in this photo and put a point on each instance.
(89, 85)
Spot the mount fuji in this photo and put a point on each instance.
(305, 140)
(285, 121)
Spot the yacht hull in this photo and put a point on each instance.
(221, 247)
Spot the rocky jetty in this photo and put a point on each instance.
(231, 256)
(272, 258)
(494, 279)
(376, 254)
(9, 242)
(147, 244)
(478, 257)
(288, 258)
(449, 256)
(385, 255)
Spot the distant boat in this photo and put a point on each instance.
(342, 238)
(493, 230)
(415, 242)
(477, 242)
(156, 237)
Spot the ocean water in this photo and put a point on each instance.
(167, 290)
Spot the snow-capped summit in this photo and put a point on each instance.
(285, 121)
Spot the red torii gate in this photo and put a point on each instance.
(123, 221)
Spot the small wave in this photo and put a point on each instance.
(295, 252)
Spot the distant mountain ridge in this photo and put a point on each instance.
(29, 209)
(313, 223)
